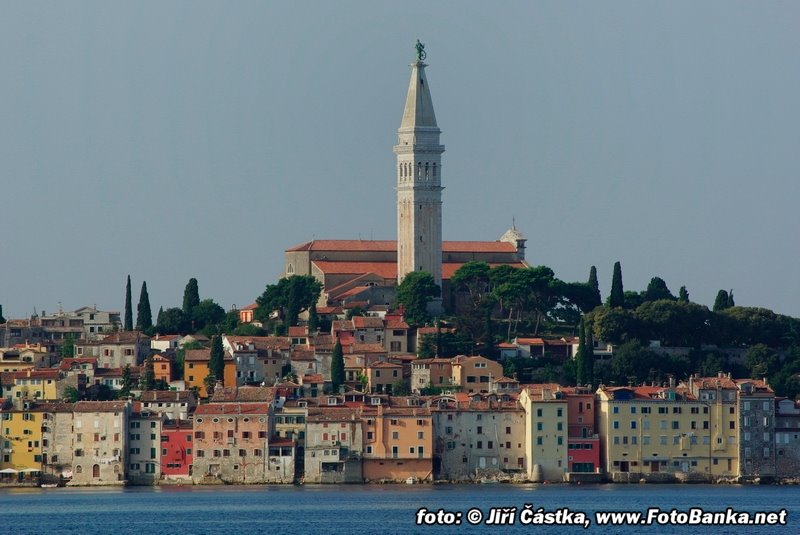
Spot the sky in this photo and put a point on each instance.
(169, 140)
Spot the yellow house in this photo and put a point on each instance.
(546, 431)
(21, 438)
(475, 374)
(660, 434)
(31, 384)
(195, 370)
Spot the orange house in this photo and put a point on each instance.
(398, 440)
(195, 370)
(162, 366)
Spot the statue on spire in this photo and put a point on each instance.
(421, 55)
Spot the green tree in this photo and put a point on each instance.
(471, 280)
(351, 313)
(363, 379)
(588, 358)
(172, 321)
(230, 322)
(401, 388)
(248, 329)
(208, 315)
(580, 359)
(721, 301)
(449, 345)
(414, 293)
(657, 290)
(337, 366)
(595, 288)
(127, 382)
(632, 362)
(289, 296)
(216, 363)
(313, 319)
(144, 317)
(617, 296)
(71, 394)
(761, 361)
(730, 299)
(683, 295)
(148, 379)
(633, 300)
(210, 382)
(67, 349)
(191, 297)
(160, 315)
(128, 326)
(674, 323)
(2, 319)
(613, 325)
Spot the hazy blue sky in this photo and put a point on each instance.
(172, 140)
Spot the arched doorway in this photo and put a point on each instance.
(96, 470)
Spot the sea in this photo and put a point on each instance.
(389, 509)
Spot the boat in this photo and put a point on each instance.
(49, 485)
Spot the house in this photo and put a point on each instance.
(114, 378)
(58, 435)
(196, 369)
(334, 444)
(176, 450)
(162, 367)
(583, 442)
(100, 442)
(116, 350)
(664, 433)
(398, 440)
(97, 323)
(171, 405)
(259, 359)
(144, 447)
(435, 372)
(165, 342)
(475, 374)
(395, 334)
(42, 384)
(21, 438)
(787, 438)
(478, 435)
(230, 440)
(382, 376)
(756, 404)
(246, 314)
(545, 431)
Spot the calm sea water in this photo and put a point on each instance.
(363, 508)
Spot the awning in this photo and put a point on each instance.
(28, 470)
(8, 471)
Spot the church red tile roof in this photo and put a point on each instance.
(391, 246)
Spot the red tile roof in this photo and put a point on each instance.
(391, 246)
(364, 322)
(232, 408)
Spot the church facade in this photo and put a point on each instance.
(367, 270)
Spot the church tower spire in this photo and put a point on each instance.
(419, 180)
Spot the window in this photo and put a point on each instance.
(420, 434)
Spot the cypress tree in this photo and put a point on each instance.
(144, 316)
(128, 325)
(730, 299)
(617, 296)
(148, 381)
(580, 358)
(2, 319)
(160, 317)
(191, 297)
(216, 364)
(721, 301)
(683, 295)
(313, 319)
(588, 362)
(337, 366)
(593, 284)
(488, 341)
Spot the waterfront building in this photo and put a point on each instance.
(334, 443)
(100, 442)
(398, 439)
(546, 431)
(176, 450)
(756, 427)
(144, 447)
(478, 436)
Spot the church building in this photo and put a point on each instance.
(368, 270)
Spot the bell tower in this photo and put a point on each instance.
(419, 180)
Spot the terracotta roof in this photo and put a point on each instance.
(385, 270)
(167, 396)
(236, 394)
(391, 246)
(298, 330)
(232, 408)
(705, 383)
(100, 406)
(342, 325)
(333, 414)
(125, 337)
(49, 373)
(259, 342)
(385, 365)
(329, 310)
(367, 348)
(396, 324)
(351, 292)
(364, 322)
(116, 372)
(252, 306)
(314, 378)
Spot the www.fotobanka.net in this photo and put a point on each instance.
(654, 516)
